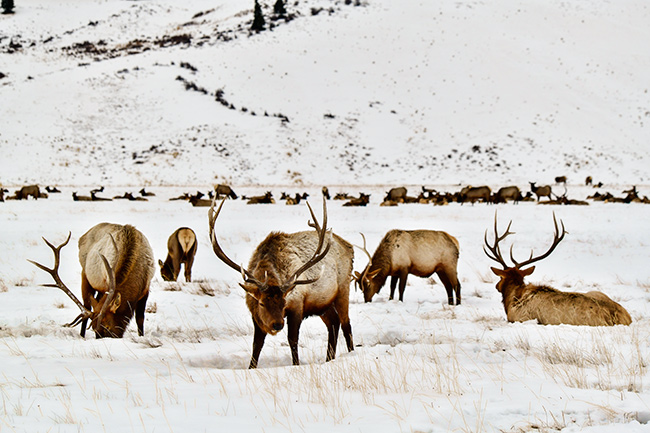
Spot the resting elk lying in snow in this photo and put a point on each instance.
(181, 249)
(417, 252)
(548, 306)
(117, 268)
(274, 290)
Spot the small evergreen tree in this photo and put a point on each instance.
(7, 6)
(258, 19)
(278, 8)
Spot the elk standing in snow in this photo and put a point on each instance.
(274, 290)
(545, 304)
(475, 193)
(418, 252)
(224, 190)
(508, 193)
(396, 194)
(29, 190)
(117, 268)
(181, 247)
(541, 191)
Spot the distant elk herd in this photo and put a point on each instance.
(291, 276)
(395, 196)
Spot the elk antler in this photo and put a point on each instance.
(364, 248)
(318, 255)
(212, 219)
(557, 238)
(495, 249)
(54, 272)
(359, 276)
(108, 298)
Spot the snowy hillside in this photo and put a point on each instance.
(180, 93)
(357, 95)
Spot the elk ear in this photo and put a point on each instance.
(285, 292)
(115, 303)
(374, 273)
(526, 272)
(251, 289)
(499, 272)
(160, 263)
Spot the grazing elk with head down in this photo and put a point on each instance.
(275, 290)
(523, 302)
(475, 193)
(396, 194)
(181, 249)
(508, 193)
(225, 191)
(117, 268)
(418, 252)
(29, 190)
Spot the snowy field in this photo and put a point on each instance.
(360, 96)
(419, 366)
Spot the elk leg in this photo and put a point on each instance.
(333, 323)
(188, 269)
(403, 275)
(140, 306)
(450, 281)
(177, 269)
(341, 305)
(393, 285)
(258, 343)
(293, 330)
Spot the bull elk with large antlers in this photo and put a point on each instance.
(283, 280)
(545, 304)
(117, 268)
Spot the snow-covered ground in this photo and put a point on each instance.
(420, 365)
(106, 92)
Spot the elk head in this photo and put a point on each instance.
(515, 274)
(102, 311)
(167, 271)
(267, 285)
(364, 279)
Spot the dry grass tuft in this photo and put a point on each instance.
(486, 277)
(172, 287)
(205, 288)
(22, 282)
(645, 285)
